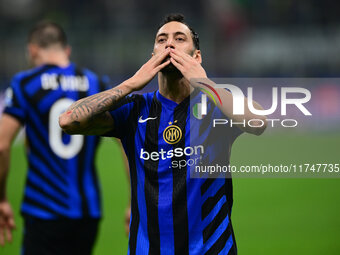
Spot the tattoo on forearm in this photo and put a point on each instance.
(93, 105)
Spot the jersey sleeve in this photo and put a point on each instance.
(231, 130)
(124, 116)
(236, 132)
(15, 104)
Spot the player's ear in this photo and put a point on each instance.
(198, 56)
(33, 54)
(152, 54)
(68, 50)
(32, 50)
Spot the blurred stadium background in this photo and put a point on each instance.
(239, 38)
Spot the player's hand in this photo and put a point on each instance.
(7, 223)
(149, 70)
(127, 220)
(187, 65)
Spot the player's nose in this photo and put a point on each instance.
(169, 43)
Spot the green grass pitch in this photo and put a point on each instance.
(270, 215)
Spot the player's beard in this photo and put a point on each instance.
(170, 69)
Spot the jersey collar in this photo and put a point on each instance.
(171, 104)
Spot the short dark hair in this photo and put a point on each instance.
(180, 18)
(46, 34)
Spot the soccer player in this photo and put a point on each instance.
(171, 213)
(61, 206)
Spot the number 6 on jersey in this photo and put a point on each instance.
(65, 151)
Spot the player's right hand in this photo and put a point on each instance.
(149, 70)
(7, 223)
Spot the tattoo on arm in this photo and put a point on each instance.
(88, 108)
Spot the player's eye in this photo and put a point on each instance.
(180, 39)
(161, 40)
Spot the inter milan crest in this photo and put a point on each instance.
(172, 134)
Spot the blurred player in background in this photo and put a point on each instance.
(171, 213)
(61, 205)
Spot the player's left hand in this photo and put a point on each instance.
(7, 223)
(187, 65)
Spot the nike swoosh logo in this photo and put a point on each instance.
(145, 120)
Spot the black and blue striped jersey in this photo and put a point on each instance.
(173, 213)
(61, 178)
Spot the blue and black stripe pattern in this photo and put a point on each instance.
(59, 183)
(171, 212)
